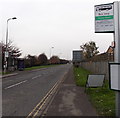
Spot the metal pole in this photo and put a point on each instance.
(6, 50)
(5, 69)
(7, 34)
(117, 49)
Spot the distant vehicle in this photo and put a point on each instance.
(20, 64)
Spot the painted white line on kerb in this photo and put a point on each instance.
(16, 84)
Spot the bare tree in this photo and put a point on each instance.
(14, 52)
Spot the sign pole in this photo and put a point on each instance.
(117, 50)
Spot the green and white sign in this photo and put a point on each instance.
(104, 18)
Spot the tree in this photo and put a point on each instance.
(42, 58)
(54, 60)
(11, 48)
(89, 49)
(14, 53)
(30, 61)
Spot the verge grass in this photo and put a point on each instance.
(31, 68)
(102, 98)
(38, 67)
(80, 76)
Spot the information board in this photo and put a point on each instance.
(77, 55)
(114, 74)
(104, 18)
(95, 80)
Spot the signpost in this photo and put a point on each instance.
(6, 54)
(107, 20)
(77, 55)
(114, 74)
(104, 19)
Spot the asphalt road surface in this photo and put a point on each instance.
(21, 93)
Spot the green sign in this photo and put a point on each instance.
(103, 17)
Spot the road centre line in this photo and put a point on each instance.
(16, 84)
(40, 104)
(36, 77)
(19, 82)
(37, 108)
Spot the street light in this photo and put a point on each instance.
(7, 30)
(6, 51)
(51, 51)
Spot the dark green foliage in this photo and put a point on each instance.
(42, 59)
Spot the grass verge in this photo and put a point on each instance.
(2, 73)
(103, 99)
(31, 68)
(80, 76)
(38, 67)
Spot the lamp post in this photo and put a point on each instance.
(6, 50)
(51, 50)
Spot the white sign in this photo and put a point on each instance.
(95, 80)
(114, 76)
(104, 18)
(6, 54)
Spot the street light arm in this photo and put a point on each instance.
(8, 19)
(11, 19)
(14, 18)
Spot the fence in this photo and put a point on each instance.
(97, 67)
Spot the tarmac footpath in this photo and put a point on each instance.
(70, 100)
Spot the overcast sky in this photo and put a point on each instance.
(43, 24)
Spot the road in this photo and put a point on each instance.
(21, 93)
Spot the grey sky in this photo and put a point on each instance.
(42, 24)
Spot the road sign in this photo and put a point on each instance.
(107, 19)
(77, 55)
(114, 74)
(104, 18)
(6, 54)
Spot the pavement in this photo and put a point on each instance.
(71, 100)
(8, 75)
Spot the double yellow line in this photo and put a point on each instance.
(38, 107)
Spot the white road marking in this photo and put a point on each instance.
(36, 77)
(16, 84)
